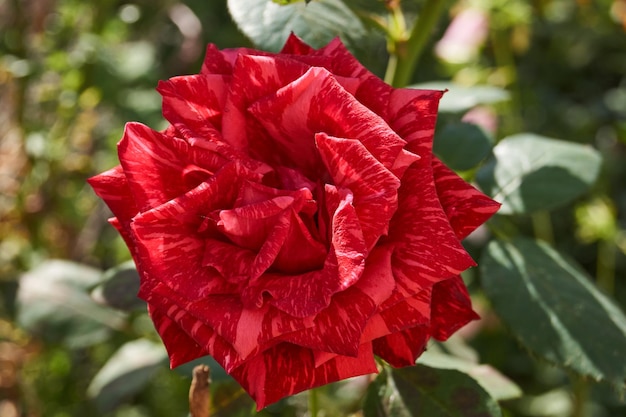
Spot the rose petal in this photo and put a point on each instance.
(250, 225)
(255, 77)
(248, 331)
(168, 233)
(215, 62)
(294, 45)
(151, 167)
(291, 179)
(451, 308)
(374, 93)
(344, 63)
(347, 241)
(412, 114)
(195, 101)
(218, 61)
(254, 192)
(399, 312)
(300, 251)
(174, 339)
(153, 164)
(374, 187)
(369, 89)
(427, 250)
(338, 328)
(324, 105)
(287, 369)
(403, 348)
(466, 207)
(175, 321)
(232, 262)
(112, 187)
(309, 293)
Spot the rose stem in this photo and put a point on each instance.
(199, 395)
(407, 52)
(313, 403)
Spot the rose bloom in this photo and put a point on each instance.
(292, 221)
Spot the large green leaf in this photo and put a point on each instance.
(53, 303)
(461, 145)
(531, 172)
(420, 390)
(126, 373)
(497, 385)
(268, 24)
(119, 288)
(554, 310)
(459, 98)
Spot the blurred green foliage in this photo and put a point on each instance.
(73, 72)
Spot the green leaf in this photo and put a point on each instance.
(554, 310)
(53, 303)
(497, 385)
(459, 98)
(217, 372)
(126, 373)
(531, 172)
(425, 391)
(119, 288)
(461, 145)
(269, 24)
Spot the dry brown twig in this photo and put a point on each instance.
(199, 395)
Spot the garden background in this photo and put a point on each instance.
(73, 72)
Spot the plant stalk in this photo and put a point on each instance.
(581, 395)
(313, 402)
(405, 53)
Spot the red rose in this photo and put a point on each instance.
(292, 221)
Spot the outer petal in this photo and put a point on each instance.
(248, 331)
(112, 187)
(181, 348)
(344, 63)
(402, 349)
(427, 250)
(413, 115)
(172, 322)
(215, 62)
(287, 369)
(451, 308)
(196, 101)
(154, 164)
(399, 314)
(296, 46)
(255, 77)
(222, 61)
(466, 207)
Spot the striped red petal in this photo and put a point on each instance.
(288, 369)
(292, 221)
(466, 207)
